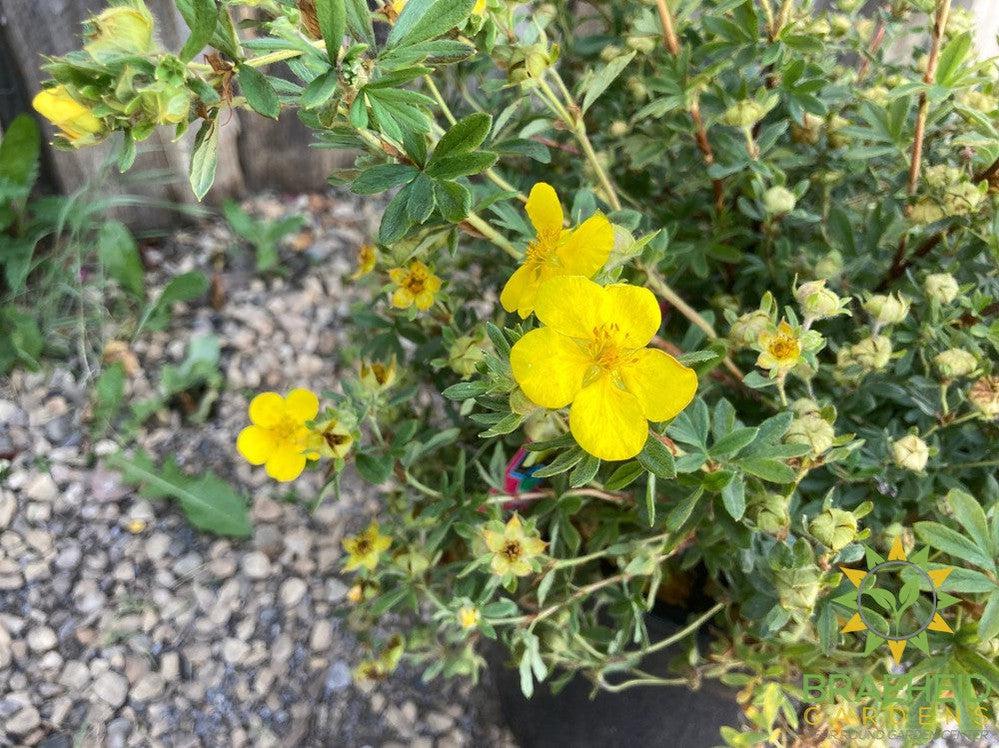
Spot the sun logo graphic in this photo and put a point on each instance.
(897, 600)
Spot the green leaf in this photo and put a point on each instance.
(374, 469)
(453, 200)
(461, 165)
(119, 255)
(205, 157)
(332, 17)
(424, 19)
(359, 21)
(465, 136)
(395, 220)
(774, 471)
(20, 339)
(109, 390)
(734, 441)
(624, 476)
(184, 287)
(950, 66)
(647, 507)
(208, 502)
(954, 544)
(565, 461)
(19, 153)
(465, 390)
(421, 199)
(584, 472)
(202, 19)
(259, 92)
(682, 511)
(604, 77)
(734, 497)
(319, 91)
(383, 177)
(657, 459)
(970, 515)
(988, 623)
(223, 35)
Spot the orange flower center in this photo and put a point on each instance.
(363, 546)
(784, 348)
(511, 550)
(603, 348)
(285, 429)
(542, 249)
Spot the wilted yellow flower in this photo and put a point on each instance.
(119, 31)
(469, 616)
(984, 395)
(417, 285)
(591, 354)
(279, 439)
(780, 348)
(367, 256)
(74, 120)
(377, 376)
(941, 286)
(331, 438)
(910, 452)
(512, 547)
(746, 330)
(955, 363)
(365, 548)
(369, 671)
(555, 251)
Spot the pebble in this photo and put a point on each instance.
(41, 488)
(42, 639)
(292, 591)
(322, 636)
(256, 565)
(148, 687)
(111, 688)
(23, 721)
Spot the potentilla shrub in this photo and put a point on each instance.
(666, 296)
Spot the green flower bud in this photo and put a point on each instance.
(745, 331)
(830, 266)
(840, 24)
(925, 212)
(770, 513)
(886, 309)
(848, 6)
(876, 94)
(910, 452)
(813, 430)
(639, 91)
(119, 31)
(941, 286)
(641, 44)
(834, 528)
(834, 131)
(808, 131)
(961, 199)
(609, 52)
(818, 302)
(872, 353)
(804, 406)
(778, 200)
(797, 589)
(940, 176)
(746, 113)
(955, 363)
(979, 101)
(619, 128)
(959, 21)
(896, 531)
(466, 354)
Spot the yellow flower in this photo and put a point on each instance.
(469, 616)
(367, 255)
(513, 549)
(279, 439)
(555, 251)
(331, 438)
(780, 348)
(479, 9)
(76, 121)
(365, 548)
(591, 353)
(377, 376)
(416, 285)
(369, 671)
(393, 9)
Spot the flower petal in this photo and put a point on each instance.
(266, 409)
(662, 384)
(520, 290)
(544, 209)
(302, 404)
(607, 421)
(586, 250)
(571, 305)
(255, 444)
(285, 465)
(548, 367)
(634, 311)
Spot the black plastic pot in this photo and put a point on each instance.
(634, 718)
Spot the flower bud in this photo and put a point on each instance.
(959, 21)
(120, 31)
(979, 101)
(886, 309)
(830, 266)
(898, 531)
(984, 395)
(778, 200)
(745, 113)
(619, 128)
(813, 430)
(848, 6)
(639, 91)
(834, 528)
(808, 131)
(817, 301)
(804, 406)
(939, 176)
(876, 94)
(642, 44)
(376, 376)
(745, 331)
(465, 355)
(910, 452)
(75, 121)
(955, 363)
(609, 52)
(770, 513)
(941, 286)
(925, 211)
(834, 131)
(961, 199)
(797, 588)
(840, 24)
(872, 353)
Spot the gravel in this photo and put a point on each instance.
(120, 624)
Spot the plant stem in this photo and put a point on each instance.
(939, 24)
(685, 631)
(492, 235)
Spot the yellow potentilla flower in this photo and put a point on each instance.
(367, 255)
(74, 120)
(331, 438)
(369, 671)
(469, 616)
(417, 285)
(377, 376)
(555, 251)
(780, 348)
(591, 353)
(365, 548)
(279, 439)
(512, 547)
